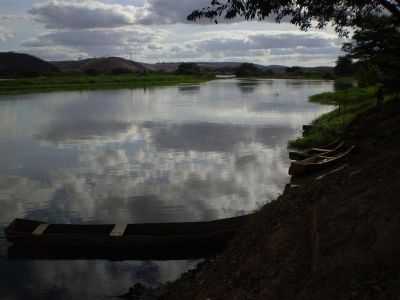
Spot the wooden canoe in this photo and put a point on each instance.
(332, 147)
(151, 238)
(318, 162)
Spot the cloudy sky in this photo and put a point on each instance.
(154, 31)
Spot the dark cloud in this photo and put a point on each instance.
(84, 38)
(96, 42)
(74, 14)
(83, 14)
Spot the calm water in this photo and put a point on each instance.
(184, 153)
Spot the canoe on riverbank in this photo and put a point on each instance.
(318, 162)
(332, 147)
(156, 238)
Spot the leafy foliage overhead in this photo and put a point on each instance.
(377, 39)
(342, 13)
(376, 45)
(344, 66)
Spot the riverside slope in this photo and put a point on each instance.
(335, 238)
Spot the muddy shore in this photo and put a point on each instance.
(332, 238)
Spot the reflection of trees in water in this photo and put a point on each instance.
(189, 89)
(82, 130)
(249, 86)
(283, 107)
(298, 83)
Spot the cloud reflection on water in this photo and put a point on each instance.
(154, 155)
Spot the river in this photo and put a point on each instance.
(180, 153)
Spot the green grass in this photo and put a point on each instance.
(86, 82)
(330, 126)
(353, 96)
(305, 76)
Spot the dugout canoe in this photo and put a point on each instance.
(324, 150)
(318, 162)
(152, 237)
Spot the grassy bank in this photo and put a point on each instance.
(310, 76)
(349, 104)
(86, 82)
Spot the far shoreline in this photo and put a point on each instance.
(80, 82)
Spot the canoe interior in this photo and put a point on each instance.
(28, 226)
(331, 149)
(318, 162)
(160, 241)
(184, 252)
(22, 226)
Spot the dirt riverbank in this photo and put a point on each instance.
(333, 238)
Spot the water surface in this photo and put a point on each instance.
(183, 153)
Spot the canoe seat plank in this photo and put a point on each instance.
(320, 149)
(118, 230)
(39, 230)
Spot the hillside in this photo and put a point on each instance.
(106, 65)
(110, 64)
(231, 67)
(17, 64)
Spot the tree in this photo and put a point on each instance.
(295, 70)
(188, 68)
(247, 69)
(376, 49)
(344, 66)
(342, 13)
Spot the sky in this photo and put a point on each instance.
(155, 31)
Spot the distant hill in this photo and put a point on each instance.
(17, 64)
(231, 67)
(218, 67)
(112, 64)
(106, 65)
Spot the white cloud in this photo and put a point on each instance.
(262, 47)
(133, 28)
(151, 45)
(247, 40)
(5, 34)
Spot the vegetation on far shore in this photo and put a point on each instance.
(64, 82)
